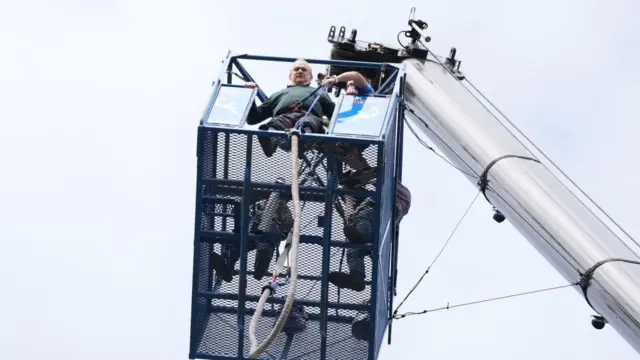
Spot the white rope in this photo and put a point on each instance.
(257, 350)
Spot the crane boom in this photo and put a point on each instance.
(561, 227)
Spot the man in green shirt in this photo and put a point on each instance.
(287, 106)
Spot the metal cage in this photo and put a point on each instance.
(233, 175)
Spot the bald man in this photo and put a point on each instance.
(289, 105)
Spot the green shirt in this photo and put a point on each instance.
(279, 103)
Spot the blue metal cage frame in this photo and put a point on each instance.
(389, 156)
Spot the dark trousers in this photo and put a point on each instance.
(361, 218)
(286, 121)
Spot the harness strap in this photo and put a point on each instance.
(322, 89)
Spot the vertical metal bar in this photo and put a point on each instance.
(375, 248)
(394, 234)
(225, 169)
(214, 158)
(398, 175)
(214, 175)
(326, 247)
(334, 116)
(399, 158)
(225, 175)
(195, 290)
(244, 245)
(216, 87)
(402, 76)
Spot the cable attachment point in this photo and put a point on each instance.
(418, 37)
(483, 182)
(598, 322)
(294, 131)
(498, 216)
(286, 271)
(270, 286)
(453, 64)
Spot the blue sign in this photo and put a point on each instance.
(361, 115)
(231, 106)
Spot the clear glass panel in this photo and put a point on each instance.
(230, 106)
(361, 115)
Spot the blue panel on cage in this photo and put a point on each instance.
(361, 115)
(231, 106)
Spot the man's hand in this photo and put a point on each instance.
(331, 80)
(250, 85)
(351, 88)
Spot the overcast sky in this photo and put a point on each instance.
(100, 104)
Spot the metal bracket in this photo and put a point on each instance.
(454, 65)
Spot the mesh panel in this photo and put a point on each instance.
(341, 344)
(387, 234)
(217, 305)
(371, 155)
(266, 170)
(218, 212)
(220, 337)
(200, 306)
(284, 347)
(223, 155)
(338, 262)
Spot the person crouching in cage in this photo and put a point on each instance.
(274, 220)
(351, 154)
(358, 229)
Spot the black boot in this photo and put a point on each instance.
(358, 178)
(353, 281)
(353, 235)
(269, 144)
(297, 320)
(302, 148)
(222, 269)
(262, 262)
(360, 327)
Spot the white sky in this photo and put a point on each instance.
(100, 106)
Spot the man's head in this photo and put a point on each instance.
(300, 73)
